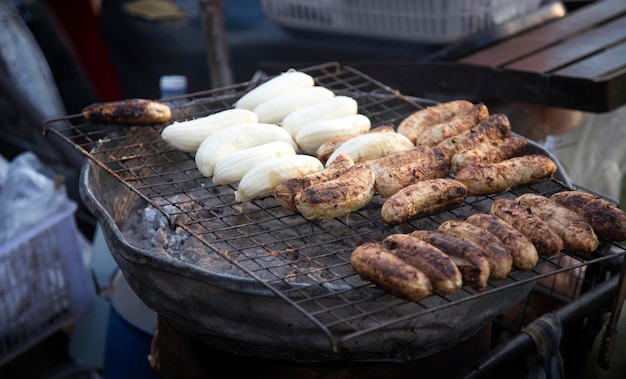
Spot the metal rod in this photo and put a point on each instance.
(522, 343)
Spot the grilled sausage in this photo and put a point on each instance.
(286, 191)
(607, 220)
(372, 262)
(432, 165)
(490, 151)
(495, 127)
(576, 232)
(443, 274)
(500, 261)
(489, 178)
(326, 149)
(546, 241)
(419, 121)
(337, 197)
(423, 198)
(471, 262)
(522, 250)
(128, 112)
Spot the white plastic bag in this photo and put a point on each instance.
(27, 196)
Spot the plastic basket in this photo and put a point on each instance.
(430, 21)
(44, 284)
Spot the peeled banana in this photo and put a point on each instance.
(276, 86)
(276, 109)
(313, 134)
(233, 167)
(262, 179)
(335, 107)
(372, 145)
(237, 137)
(188, 135)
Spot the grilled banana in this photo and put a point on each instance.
(471, 262)
(443, 274)
(607, 220)
(423, 198)
(432, 165)
(372, 262)
(286, 191)
(493, 128)
(349, 192)
(576, 232)
(522, 250)
(489, 178)
(419, 121)
(490, 151)
(262, 179)
(459, 123)
(500, 261)
(128, 112)
(546, 241)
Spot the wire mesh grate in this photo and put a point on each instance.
(304, 262)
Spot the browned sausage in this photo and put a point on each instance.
(423, 198)
(546, 241)
(522, 250)
(500, 261)
(489, 178)
(443, 274)
(372, 262)
(576, 232)
(607, 220)
(472, 262)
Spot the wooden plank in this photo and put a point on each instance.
(606, 63)
(542, 37)
(576, 48)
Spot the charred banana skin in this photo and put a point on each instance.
(338, 197)
(546, 241)
(490, 178)
(372, 262)
(576, 232)
(500, 261)
(423, 198)
(607, 220)
(128, 112)
(471, 262)
(443, 274)
(522, 250)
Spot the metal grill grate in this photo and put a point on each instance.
(306, 263)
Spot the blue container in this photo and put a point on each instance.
(130, 329)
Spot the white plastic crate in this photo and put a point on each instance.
(428, 21)
(44, 284)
